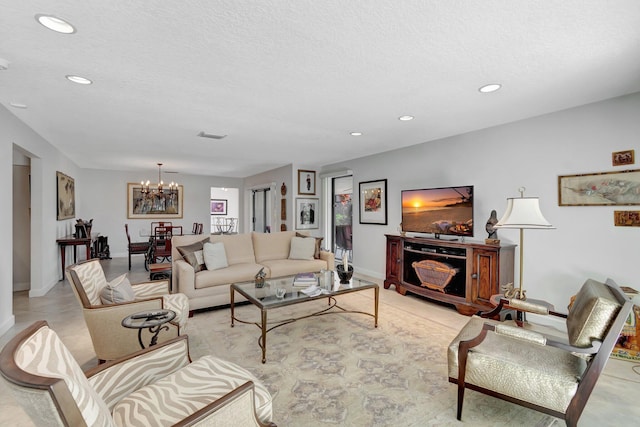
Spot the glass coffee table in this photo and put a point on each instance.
(265, 299)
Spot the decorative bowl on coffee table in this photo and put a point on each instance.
(343, 275)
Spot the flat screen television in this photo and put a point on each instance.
(441, 211)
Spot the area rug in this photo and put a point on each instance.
(340, 370)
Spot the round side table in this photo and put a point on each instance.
(153, 320)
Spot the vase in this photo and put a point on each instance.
(343, 275)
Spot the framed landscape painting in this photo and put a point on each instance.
(66, 196)
(373, 202)
(168, 204)
(600, 189)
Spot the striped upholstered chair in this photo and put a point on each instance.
(110, 339)
(159, 386)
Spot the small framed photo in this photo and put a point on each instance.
(218, 207)
(307, 212)
(626, 218)
(306, 182)
(621, 158)
(373, 202)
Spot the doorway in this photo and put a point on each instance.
(261, 210)
(342, 217)
(225, 210)
(21, 222)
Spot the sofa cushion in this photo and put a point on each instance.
(243, 272)
(238, 247)
(189, 389)
(289, 267)
(316, 253)
(215, 257)
(193, 254)
(269, 246)
(302, 248)
(117, 291)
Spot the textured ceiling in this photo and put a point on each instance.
(287, 81)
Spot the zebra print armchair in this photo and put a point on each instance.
(159, 386)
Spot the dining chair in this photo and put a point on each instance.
(136, 248)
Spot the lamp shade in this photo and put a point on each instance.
(523, 212)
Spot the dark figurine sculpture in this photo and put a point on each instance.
(493, 220)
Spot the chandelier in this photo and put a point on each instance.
(159, 190)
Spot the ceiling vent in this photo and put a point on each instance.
(202, 134)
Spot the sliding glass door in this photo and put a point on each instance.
(342, 215)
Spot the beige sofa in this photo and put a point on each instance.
(246, 254)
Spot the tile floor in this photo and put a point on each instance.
(614, 401)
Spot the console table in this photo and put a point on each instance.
(481, 270)
(65, 241)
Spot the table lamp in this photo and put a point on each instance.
(523, 212)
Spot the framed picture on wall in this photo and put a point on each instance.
(152, 205)
(66, 196)
(307, 212)
(373, 202)
(218, 207)
(600, 189)
(306, 182)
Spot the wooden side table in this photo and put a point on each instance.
(160, 271)
(71, 240)
(152, 320)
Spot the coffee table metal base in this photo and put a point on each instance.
(332, 308)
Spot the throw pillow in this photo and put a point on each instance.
(302, 248)
(316, 252)
(117, 291)
(193, 255)
(215, 256)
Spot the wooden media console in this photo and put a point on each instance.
(482, 270)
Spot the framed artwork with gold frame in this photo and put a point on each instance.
(168, 204)
(620, 158)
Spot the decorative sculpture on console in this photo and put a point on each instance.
(492, 239)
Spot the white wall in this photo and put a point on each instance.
(45, 161)
(274, 178)
(102, 195)
(530, 153)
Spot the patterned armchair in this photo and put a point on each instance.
(530, 369)
(110, 339)
(159, 386)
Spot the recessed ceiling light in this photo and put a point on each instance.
(79, 80)
(405, 118)
(356, 133)
(490, 88)
(18, 105)
(56, 24)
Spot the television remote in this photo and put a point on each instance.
(148, 315)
